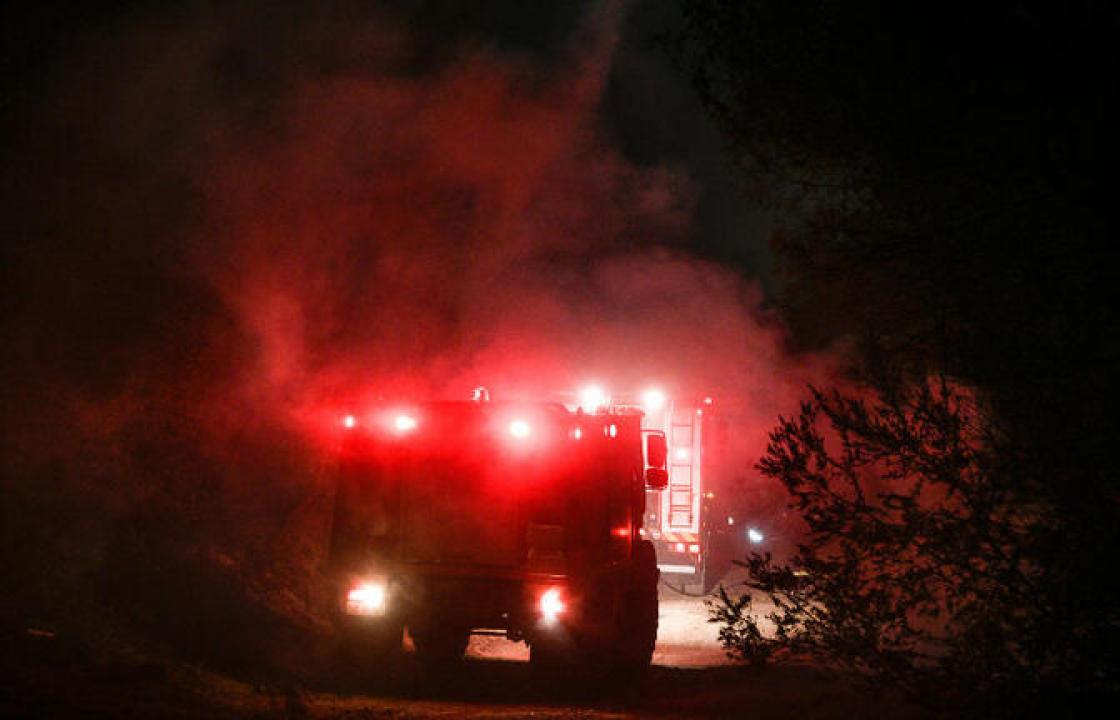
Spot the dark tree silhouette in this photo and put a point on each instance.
(939, 178)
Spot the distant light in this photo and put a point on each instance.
(611, 430)
(577, 433)
(405, 423)
(520, 429)
(755, 536)
(349, 421)
(653, 399)
(730, 520)
(681, 453)
(699, 411)
(707, 401)
(709, 494)
(679, 547)
(593, 397)
(694, 549)
(552, 604)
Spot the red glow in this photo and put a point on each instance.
(621, 532)
(349, 421)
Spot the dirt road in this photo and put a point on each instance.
(685, 638)
(691, 678)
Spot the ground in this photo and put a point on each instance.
(691, 677)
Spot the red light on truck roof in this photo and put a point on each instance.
(653, 399)
(593, 397)
(520, 429)
(404, 423)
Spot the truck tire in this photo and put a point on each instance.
(369, 649)
(437, 647)
(552, 652)
(637, 622)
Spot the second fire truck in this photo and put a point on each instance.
(686, 521)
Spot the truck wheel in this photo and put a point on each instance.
(637, 624)
(550, 653)
(369, 649)
(440, 647)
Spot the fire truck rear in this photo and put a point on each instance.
(679, 519)
(522, 520)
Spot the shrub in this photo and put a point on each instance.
(932, 560)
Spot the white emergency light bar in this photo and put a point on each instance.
(653, 399)
(592, 398)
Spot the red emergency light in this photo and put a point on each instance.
(593, 397)
(520, 429)
(405, 423)
(653, 400)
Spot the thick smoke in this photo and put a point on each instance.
(227, 224)
(472, 225)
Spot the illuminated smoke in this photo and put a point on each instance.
(471, 226)
(230, 220)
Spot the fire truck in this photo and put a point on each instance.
(691, 528)
(513, 519)
(680, 519)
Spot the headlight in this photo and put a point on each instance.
(368, 597)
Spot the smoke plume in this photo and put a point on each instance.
(227, 222)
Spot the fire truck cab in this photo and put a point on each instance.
(453, 518)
